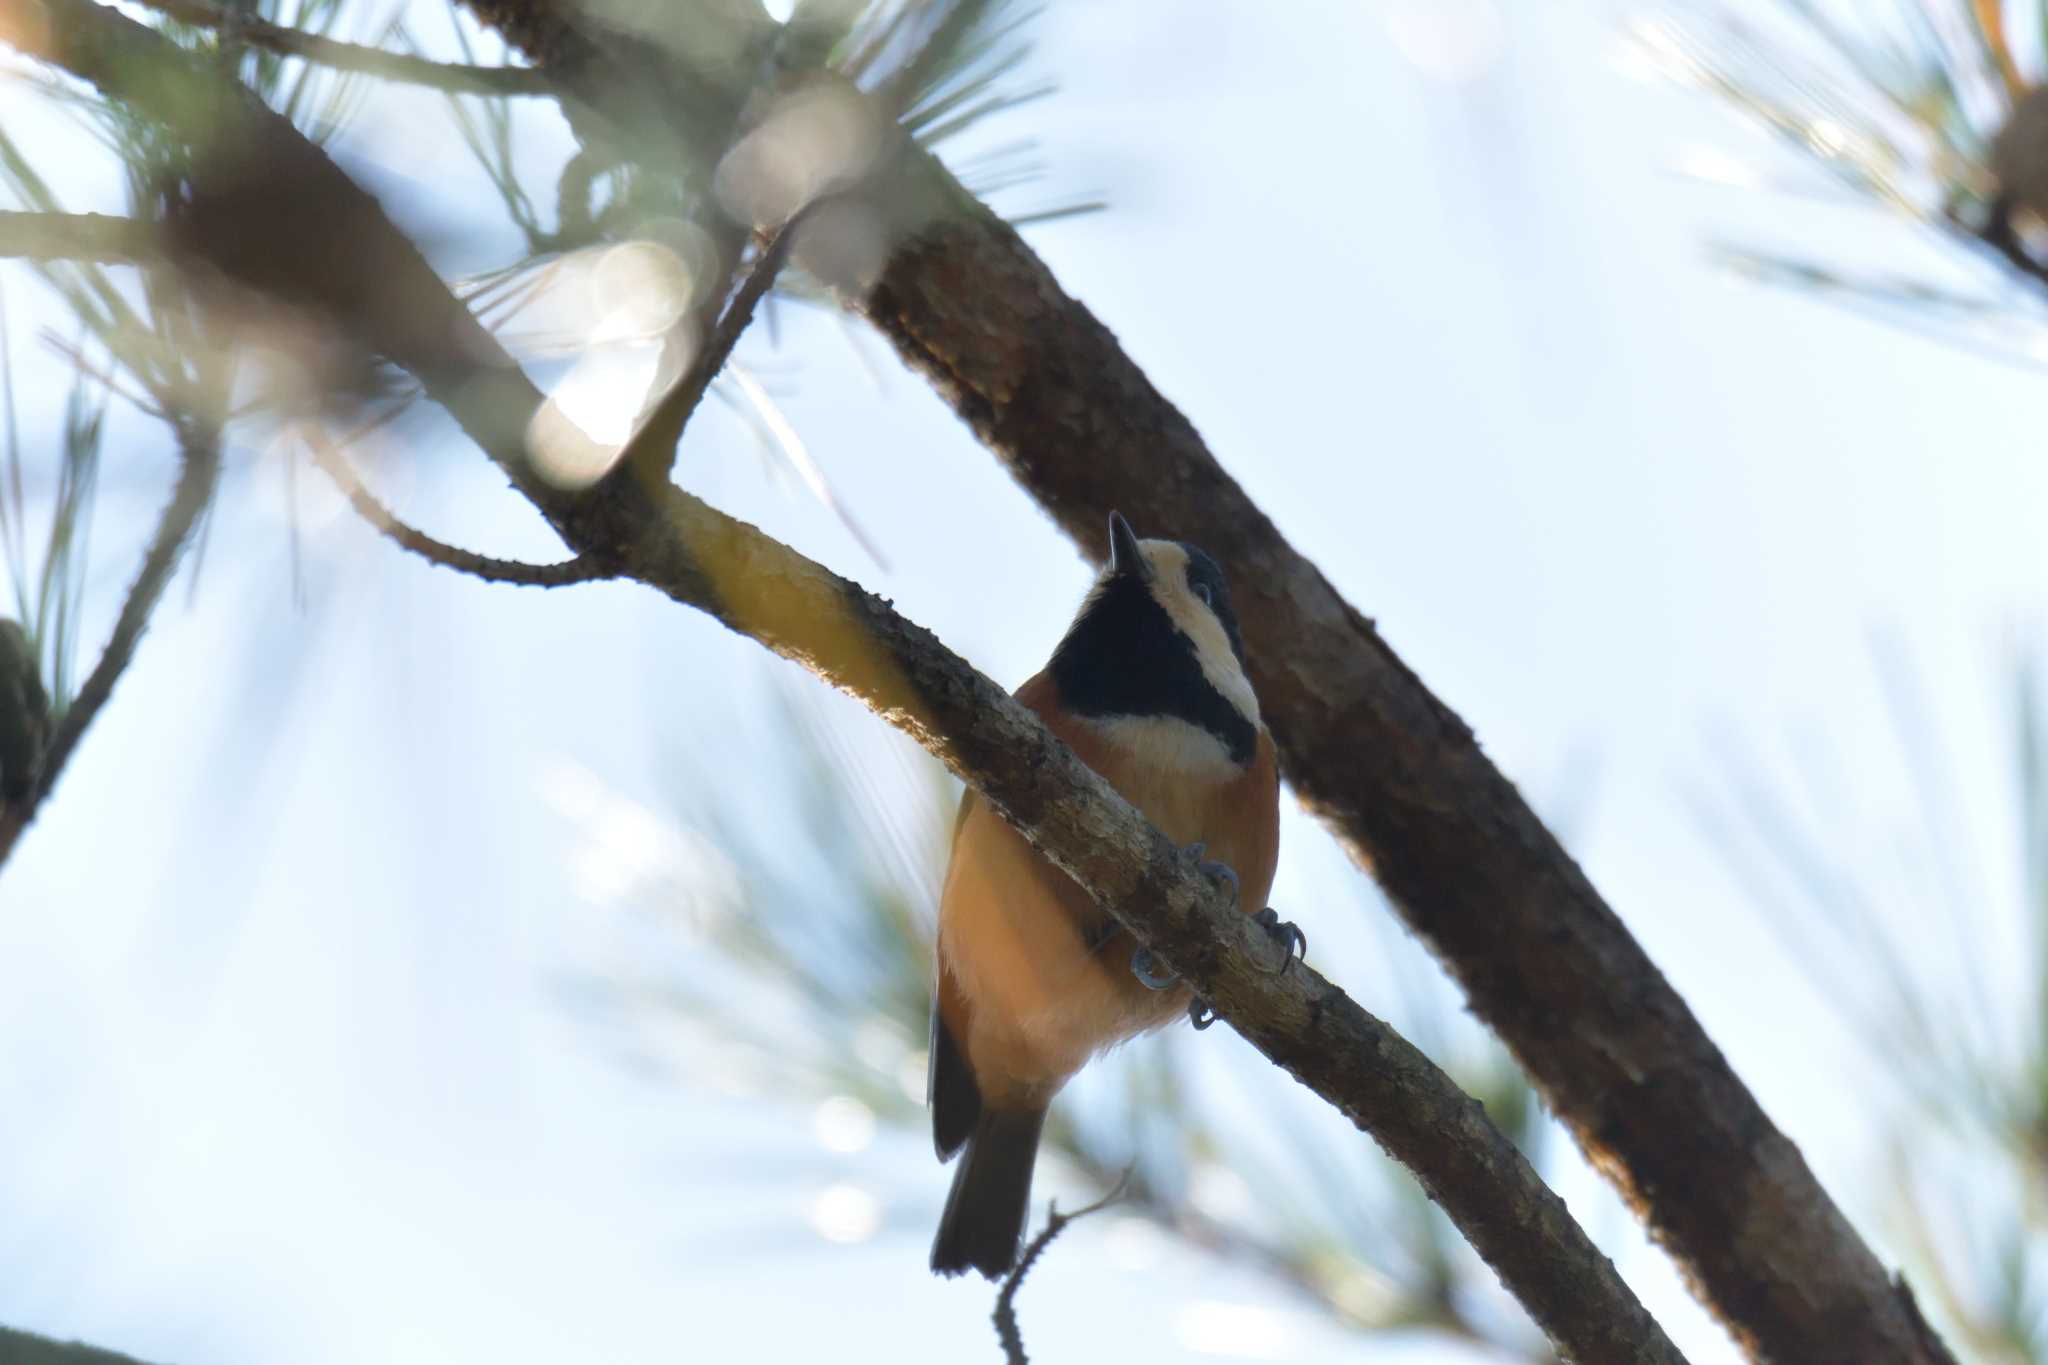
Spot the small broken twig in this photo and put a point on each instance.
(1005, 1316)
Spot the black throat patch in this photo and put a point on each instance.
(1125, 657)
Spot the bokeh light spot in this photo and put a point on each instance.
(845, 1214)
(842, 1123)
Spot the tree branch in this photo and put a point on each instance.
(1401, 780)
(96, 237)
(580, 569)
(453, 77)
(26, 1348)
(1291, 1014)
(666, 538)
(653, 443)
(1396, 775)
(1005, 1315)
(199, 451)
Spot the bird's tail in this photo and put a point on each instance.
(991, 1197)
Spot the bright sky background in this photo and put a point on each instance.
(283, 1044)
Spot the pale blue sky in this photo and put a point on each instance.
(289, 1075)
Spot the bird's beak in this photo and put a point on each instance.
(1124, 555)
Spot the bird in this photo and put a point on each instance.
(1148, 687)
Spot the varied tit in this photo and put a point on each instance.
(1148, 688)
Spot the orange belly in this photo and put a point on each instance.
(1034, 979)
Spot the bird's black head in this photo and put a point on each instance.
(1157, 638)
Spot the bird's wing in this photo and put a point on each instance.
(1261, 793)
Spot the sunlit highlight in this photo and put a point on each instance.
(842, 1123)
(846, 1214)
(638, 290)
(818, 138)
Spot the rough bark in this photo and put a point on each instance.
(673, 542)
(1402, 781)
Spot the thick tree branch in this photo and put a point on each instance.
(760, 588)
(677, 544)
(106, 239)
(1544, 961)
(453, 77)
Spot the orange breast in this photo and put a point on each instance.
(1033, 978)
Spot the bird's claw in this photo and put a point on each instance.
(1222, 872)
(1151, 971)
(1199, 1013)
(1286, 932)
(1148, 968)
(1154, 975)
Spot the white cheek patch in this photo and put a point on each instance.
(1168, 744)
(1192, 618)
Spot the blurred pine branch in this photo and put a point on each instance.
(1908, 927)
(1925, 111)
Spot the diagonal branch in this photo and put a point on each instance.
(653, 442)
(1294, 1016)
(677, 544)
(104, 238)
(454, 77)
(199, 452)
(368, 506)
(1615, 1051)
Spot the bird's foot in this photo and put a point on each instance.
(1222, 872)
(1290, 937)
(1287, 933)
(1151, 971)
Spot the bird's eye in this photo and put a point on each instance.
(1202, 591)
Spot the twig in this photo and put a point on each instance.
(199, 451)
(1005, 1315)
(101, 238)
(652, 444)
(454, 77)
(581, 569)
